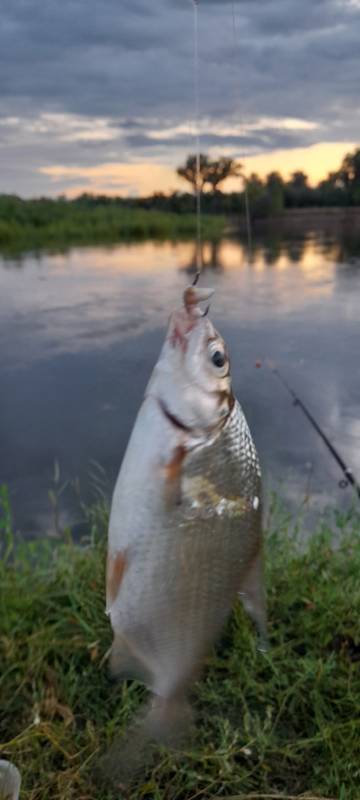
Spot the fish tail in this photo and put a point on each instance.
(168, 720)
(164, 721)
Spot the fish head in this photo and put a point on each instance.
(192, 377)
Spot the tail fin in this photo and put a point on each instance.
(168, 720)
(164, 722)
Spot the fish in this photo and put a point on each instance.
(185, 531)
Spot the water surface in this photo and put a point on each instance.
(81, 330)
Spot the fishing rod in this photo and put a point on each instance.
(348, 474)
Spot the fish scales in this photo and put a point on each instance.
(186, 516)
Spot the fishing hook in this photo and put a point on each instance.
(197, 276)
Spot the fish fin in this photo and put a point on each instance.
(252, 593)
(125, 663)
(172, 471)
(164, 721)
(167, 720)
(116, 566)
(172, 494)
(126, 760)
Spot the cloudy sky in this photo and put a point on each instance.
(97, 95)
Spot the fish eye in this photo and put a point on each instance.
(218, 358)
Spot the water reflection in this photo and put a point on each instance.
(207, 254)
(81, 329)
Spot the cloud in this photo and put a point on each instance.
(118, 178)
(65, 127)
(83, 80)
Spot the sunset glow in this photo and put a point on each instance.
(316, 161)
(110, 110)
(144, 178)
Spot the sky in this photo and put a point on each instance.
(98, 95)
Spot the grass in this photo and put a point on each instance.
(31, 224)
(273, 726)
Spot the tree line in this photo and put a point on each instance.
(267, 196)
(272, 194)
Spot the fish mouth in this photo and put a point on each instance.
(183, 321)
(192, 297)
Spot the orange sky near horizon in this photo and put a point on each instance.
(144, 178)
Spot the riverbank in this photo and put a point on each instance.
(25, 225)
(333, 221)
(57, 224)
(284, 723)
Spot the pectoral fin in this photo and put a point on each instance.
(252, 593)
(172, 474)
(115, 570)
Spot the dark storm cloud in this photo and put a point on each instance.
(261, 141)
(130, 61)
(89, 55)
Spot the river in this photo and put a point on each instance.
(80, 331)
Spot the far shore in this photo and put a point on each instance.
(334, 218)
(44, 224)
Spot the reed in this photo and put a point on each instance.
(25, 225)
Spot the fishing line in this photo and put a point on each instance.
(197, 138)
(347, 472)
(246, 192)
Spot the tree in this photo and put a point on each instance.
(298, 180)
(349, 175)
(297, 191)
(255, 188)
(275, 189)
(189, 171)
(330, 191)
(274, 179)
(210, 172)
(257, 196)
(222, 169)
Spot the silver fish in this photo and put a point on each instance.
(185, 534)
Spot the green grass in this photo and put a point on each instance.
(31, 224)
(278, 725)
